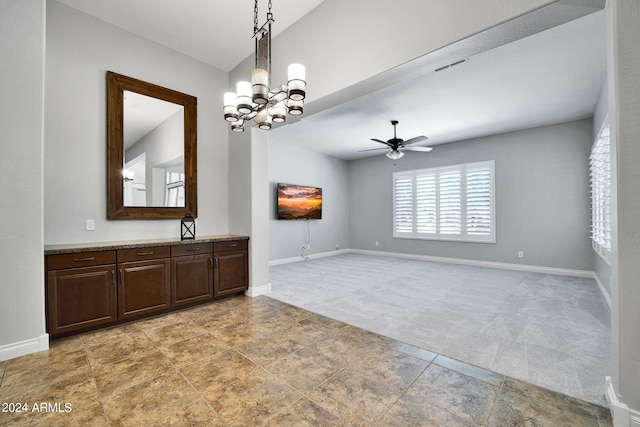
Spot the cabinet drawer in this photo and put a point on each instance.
(191, 249)
(80, 259)
(230, 245)
(141, 254)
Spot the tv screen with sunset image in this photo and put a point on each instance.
(299, 202)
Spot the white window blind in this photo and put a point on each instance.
(403, 210)
(448, 203)
(600, 168)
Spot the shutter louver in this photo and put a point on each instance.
(426, 203)
(403, 206)
(449, 193)
(479, 204)
(600, 171)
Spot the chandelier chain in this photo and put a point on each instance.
(255, 18)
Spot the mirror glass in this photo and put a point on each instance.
(151, 150)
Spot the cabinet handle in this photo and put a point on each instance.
(216, 264)
(211, 263)
(193, 249)
(121, 276)
(145, 253)
(232, 245)
(113, 277)
(84, 259)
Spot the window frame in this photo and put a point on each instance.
(410, 214)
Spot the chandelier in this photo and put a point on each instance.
(257, 100)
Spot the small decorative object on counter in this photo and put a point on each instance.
(187, 228)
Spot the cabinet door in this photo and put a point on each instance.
(143, 287)
(81, 298)
(230, 272)
(191, 279)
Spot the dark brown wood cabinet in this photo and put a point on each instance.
(231, 267)
(97, 288)
(191, 273)
(143, 283)
(81, 291)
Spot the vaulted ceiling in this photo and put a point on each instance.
(546, 78)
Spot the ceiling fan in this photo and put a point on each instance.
(397, 146)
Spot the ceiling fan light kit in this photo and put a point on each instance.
(397, 146)
(257, 100)
(395, 154)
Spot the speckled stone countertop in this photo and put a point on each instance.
(129, 244)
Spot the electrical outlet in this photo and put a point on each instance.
(89, 225)
(377, 243)
(520, 254)
(337, 247)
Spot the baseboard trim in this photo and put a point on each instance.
(622, 415)
(478, 263)
(21, 348)
(311, 256)
(255, 291)
(603, 290)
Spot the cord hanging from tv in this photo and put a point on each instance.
(299, 202)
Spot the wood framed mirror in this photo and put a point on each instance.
(151, 150)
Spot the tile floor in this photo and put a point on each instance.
(260, 362)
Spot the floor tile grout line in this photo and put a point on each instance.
(405, 390)
(495, 400)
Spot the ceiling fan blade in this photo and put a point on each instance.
(373, 149)
(380, 141)
(423, 149)
(415, 140)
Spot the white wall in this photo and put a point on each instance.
(22, 324)
(80, 50)
(542, 197)
(292, 165)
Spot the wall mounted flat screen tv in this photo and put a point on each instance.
(299, 202)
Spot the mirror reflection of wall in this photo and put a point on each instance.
(153, 152)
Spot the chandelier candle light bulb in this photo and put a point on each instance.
(260, 85)
(244, 97)
(230, 107)
(297, 84)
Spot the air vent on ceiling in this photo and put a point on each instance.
(453, 64)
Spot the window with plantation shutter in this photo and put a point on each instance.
(448, 203)
(600, 169)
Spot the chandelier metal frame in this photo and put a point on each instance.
(256, 100)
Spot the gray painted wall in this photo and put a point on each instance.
(22, 30)
(542, 197)
(292, 165)
(624, 110)
(80, 49)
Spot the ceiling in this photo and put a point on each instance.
(215, 32)
(550, 77)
